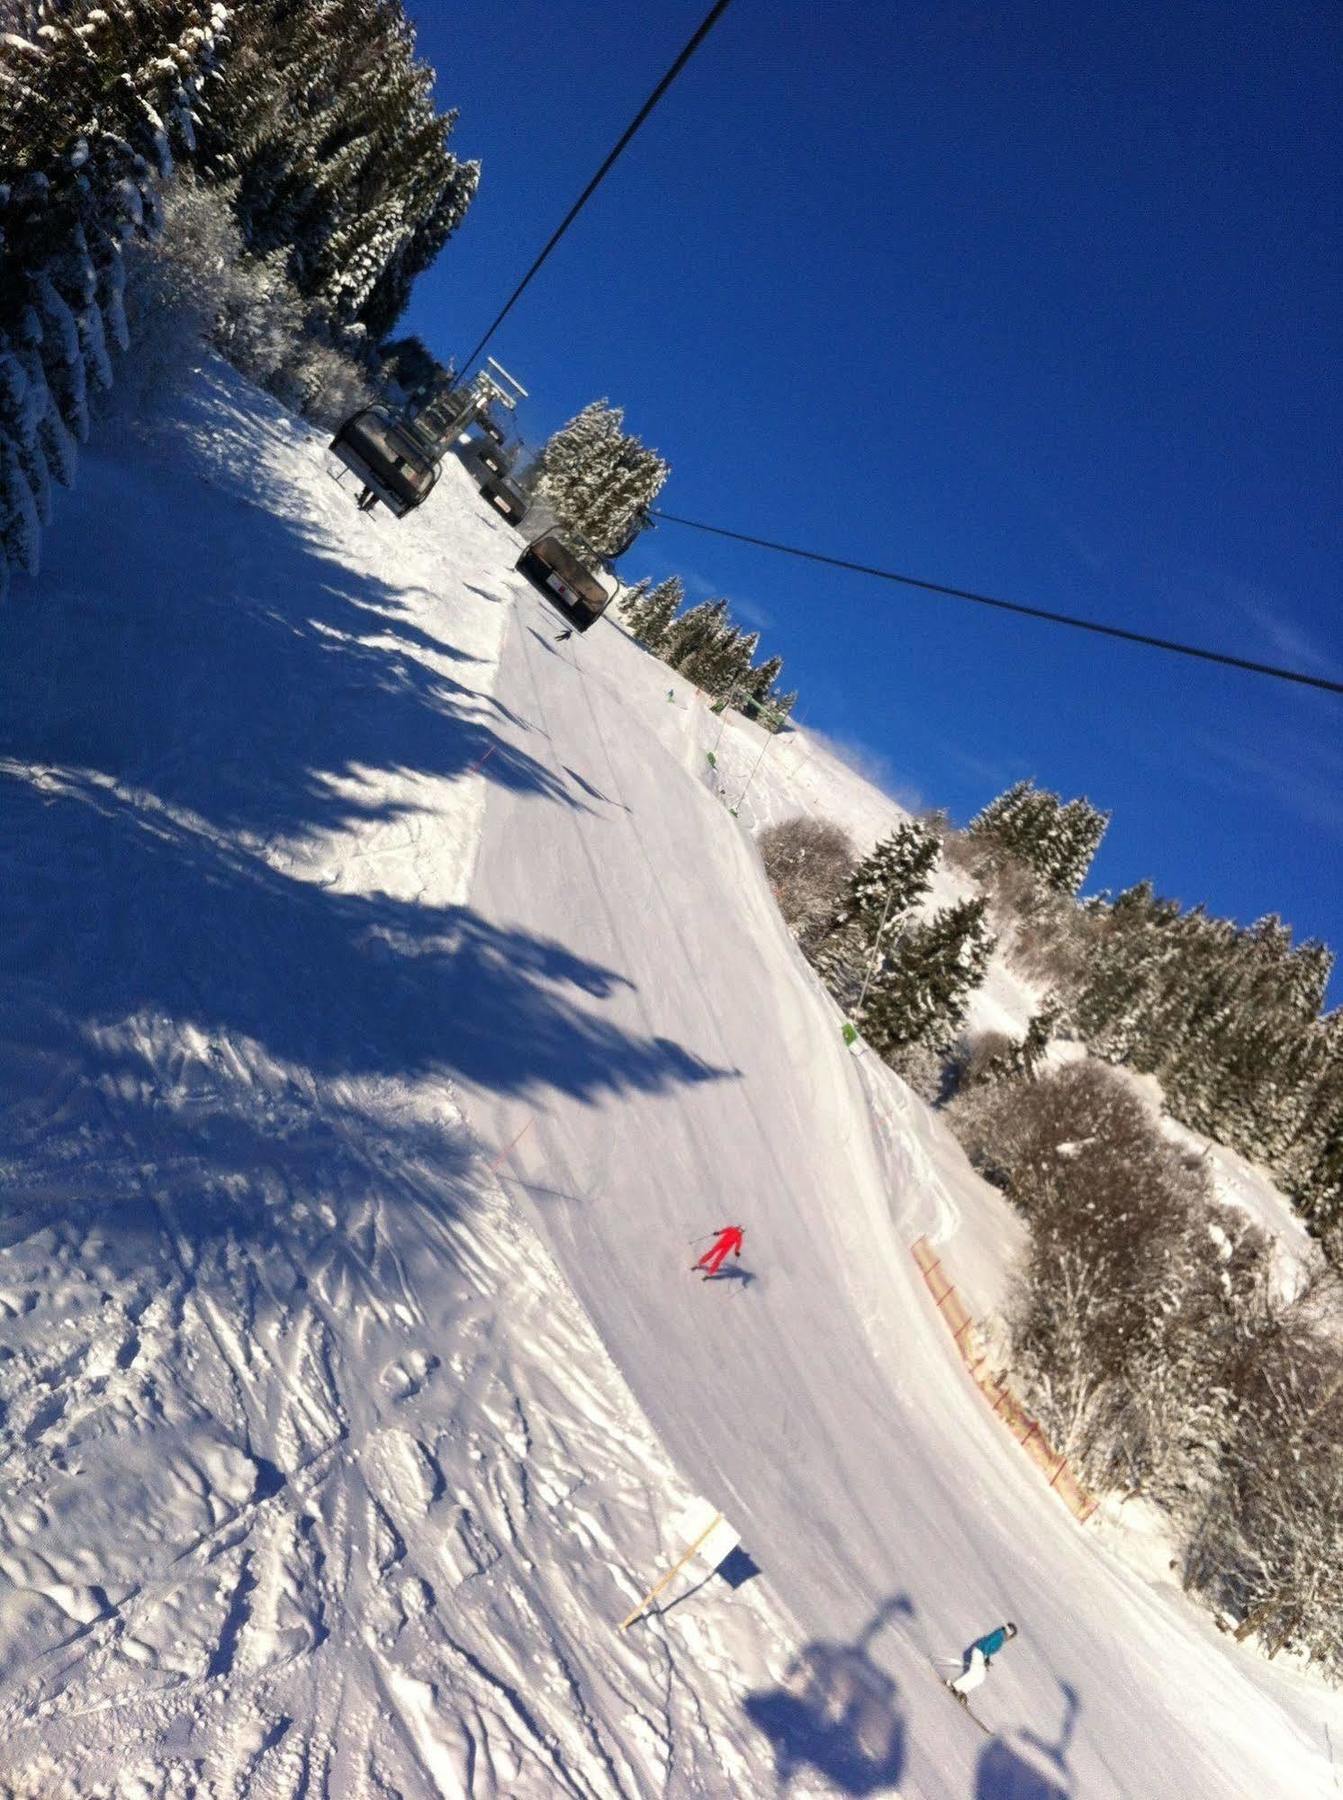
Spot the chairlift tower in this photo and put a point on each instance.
(490, 386)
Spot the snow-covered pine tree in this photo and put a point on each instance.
(885, 887)
(576, 459)
(24, 492)
(1319, 1188)
(1001, 818)
(891, 880)
(758, 687)
(733, 677)
(1227, 1019)
(23, 402)
(1028, 1056)
(918, 994)
(325, 118)
(94, 99)
(656, 611)
(597, 478)
(632, 599)
(1058, 842)
(718, 665)
(780, 707)
(1083, 827)
(20, 527)
(695, 633)
(62, 356)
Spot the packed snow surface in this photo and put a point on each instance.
(394, 1004)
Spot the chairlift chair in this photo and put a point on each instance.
(506, 497)
(494, 458)
(392, 462)
(571, 574)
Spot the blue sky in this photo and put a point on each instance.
(1043, 300)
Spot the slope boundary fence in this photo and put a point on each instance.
(1059, 1472)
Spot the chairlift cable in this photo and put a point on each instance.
(707, 24)
(1171, 645)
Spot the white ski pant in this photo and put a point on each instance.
(973, 1675)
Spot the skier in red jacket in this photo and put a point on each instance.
(724, 1245)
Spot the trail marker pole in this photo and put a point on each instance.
(772, 720)
(727, 707)
(672, 1573)
(876, 951)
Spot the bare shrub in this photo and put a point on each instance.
(1268, 1545)
(921, 1067)
(1043, 934)
(1052, 945)
(808, 862)
(1153, 1339)
(986, 1056)
(1113, 1210)
(963, 854)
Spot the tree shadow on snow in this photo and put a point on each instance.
(1028, 1767)
(837, 1714)
(183, 766)
(593, 793)
(391, 623)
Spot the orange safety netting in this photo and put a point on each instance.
(1005, 1404)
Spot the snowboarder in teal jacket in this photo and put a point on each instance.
(978, 1657)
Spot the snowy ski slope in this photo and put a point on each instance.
(330, 1453)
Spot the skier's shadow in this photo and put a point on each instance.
(838, 1714)
(735, 1273)
(1026, 1767)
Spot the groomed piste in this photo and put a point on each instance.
(391, 1002)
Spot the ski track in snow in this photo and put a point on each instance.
(320, 859)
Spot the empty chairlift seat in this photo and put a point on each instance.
(394, 465)
(506, 497)
(572, 575)
(495, 459)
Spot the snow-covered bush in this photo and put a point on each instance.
(1267, 1543)
(1109, 1202)
(195, 283)
(809, 862)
